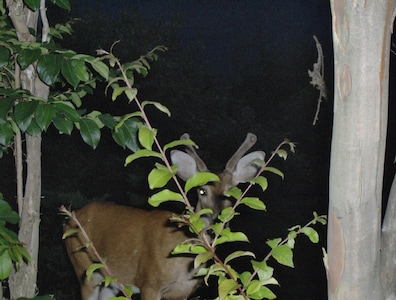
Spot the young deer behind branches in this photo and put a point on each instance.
(137, 244)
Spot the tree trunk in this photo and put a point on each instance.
(388, 246)
(361, 37)
(22, 282)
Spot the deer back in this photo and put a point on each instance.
(138, 243)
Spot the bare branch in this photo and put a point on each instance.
(317, 78)
(44, 21)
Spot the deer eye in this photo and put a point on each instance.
(201, 192)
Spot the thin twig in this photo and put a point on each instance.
(89, 244)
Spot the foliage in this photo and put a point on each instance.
(11, 250)
(231, 284)
(71, 77)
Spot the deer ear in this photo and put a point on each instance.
(186, 165)
(246, 169)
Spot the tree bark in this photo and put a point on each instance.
(361, 37)
(388, 246)
(22, 282)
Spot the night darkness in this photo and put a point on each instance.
(232, 67)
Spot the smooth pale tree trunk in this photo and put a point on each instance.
(361, 37)
(388, 247)
(22, 282)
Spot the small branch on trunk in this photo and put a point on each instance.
(317, 78)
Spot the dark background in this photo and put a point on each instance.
(232, 67)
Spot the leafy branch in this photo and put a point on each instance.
(247, 285)
(88, 244)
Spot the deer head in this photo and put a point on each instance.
(238, 170)
(137, 243)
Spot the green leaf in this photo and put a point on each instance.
(28, 56)
(4, 56)
(131, 93)
(68, 73)
(291, 239)
(254, 203)
(5, 265)
(227, 214)
(182, 249)
(18, 253)
(33, 129)
(227, 236)
(234, 192)
(44, 115)
(141, 153)
(158, 105)
(263, 270)
(262, 181)
(48, 67)
(6, 134)
(311, 234)
(5, 106)
(7, 214)
(23, 113)
(274, 242)
(65, 4)
(63, 125)
(202, 258)
(245, 277)
(129, 130)
(146, 137)
(70, 232)
(159, 177)
(282, 153)
(32, 4)
(118, 90)
(176, 143)
(199, 179)
(76, 99)
(163, 196)
(226, 286)
(109, 279)
(108, 120)
(197, 249)
(90, 132)
(94, 116)
(92, 268)
(237, 254)
(275, 171)
(68, 110)
(80, 70)
(283, 255)
(257, 291)
(99, 67)
(126, 136)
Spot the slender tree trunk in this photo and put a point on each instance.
(361, 36)
(22, 282)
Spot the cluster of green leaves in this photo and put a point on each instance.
(70, 77)
(231, 284)
(247, 284)
(11, 250)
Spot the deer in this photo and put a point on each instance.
(137, 243)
